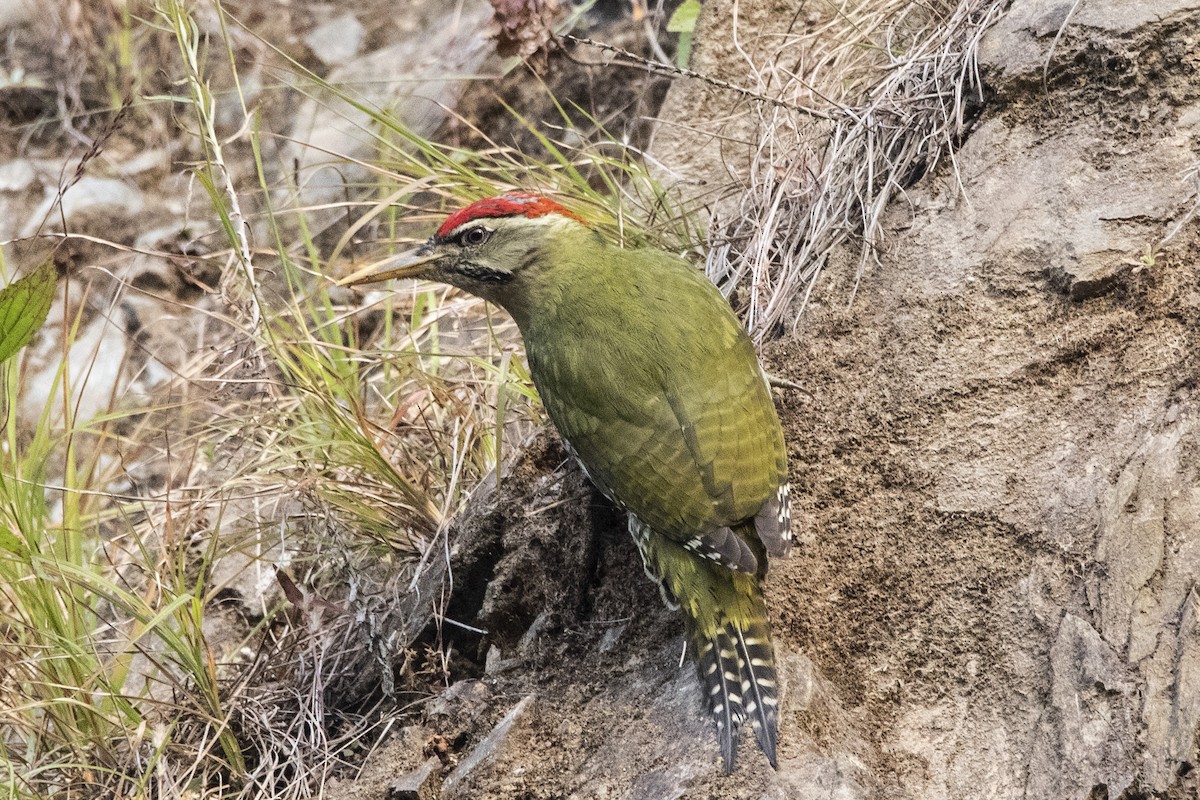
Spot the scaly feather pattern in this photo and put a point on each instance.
(674, 421)
(657, 390)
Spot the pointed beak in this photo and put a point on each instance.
(411, 264)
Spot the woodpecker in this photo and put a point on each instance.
(658, 393)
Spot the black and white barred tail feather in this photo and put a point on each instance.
(737, 674)
(760, 699)
(727, 623)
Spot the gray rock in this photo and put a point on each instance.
(16, 175)
(537, 630)
(420, 784)
(837, 776)
(1086, 735)
(95, 362)
(415, 80)
(17, 195)
(612, 636)
(158, 158)
(665, 783)
(1059, 211)
(337, 41)
(463, 701)
(89, 199)
(485, 753)
(1020, 43)
(247, 577)
(16, 12)
(1147, 590)
(1185, 701)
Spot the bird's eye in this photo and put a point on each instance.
(475, 236)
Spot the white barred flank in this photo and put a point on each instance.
(641, 537)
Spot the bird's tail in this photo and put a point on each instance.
(727, 623)
(736, 663)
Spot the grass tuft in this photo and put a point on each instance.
(899, 80)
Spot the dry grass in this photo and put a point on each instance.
(897, 80)
(1191, 176)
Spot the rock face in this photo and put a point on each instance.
(1023, 366)
(416, 80)
(997, 480)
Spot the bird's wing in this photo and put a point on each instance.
(677, 425)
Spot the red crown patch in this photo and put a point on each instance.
(511, 204)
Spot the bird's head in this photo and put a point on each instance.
(486, 247)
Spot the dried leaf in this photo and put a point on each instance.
(523, 27)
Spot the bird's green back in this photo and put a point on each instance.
(653, 382)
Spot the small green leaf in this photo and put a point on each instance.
(684, 18)
(24, 305)
(683, 22)
(684, 51)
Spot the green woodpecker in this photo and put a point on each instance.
(657, 391)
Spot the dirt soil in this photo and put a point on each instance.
(997, 498)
